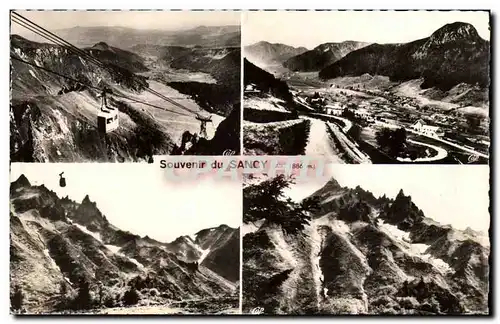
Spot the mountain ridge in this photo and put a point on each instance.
(453, 54)
(267, 53)
(322, 56)
(69, 242)
(361, 254)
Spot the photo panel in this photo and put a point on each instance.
(127, 239)
(368, 87)
(122, 86)
(368, 240)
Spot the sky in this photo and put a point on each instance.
(136, 197)
(449, 194)
(166, 20)
(311, 28)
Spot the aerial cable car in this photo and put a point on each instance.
(62, 180)
(107, 117)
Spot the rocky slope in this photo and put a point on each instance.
(453, 54)
(266, 53)
(321, 56)
(365, 255)
(56, 243)
(54, 119)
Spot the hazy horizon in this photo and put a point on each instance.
(312, 28)
(138, 20)
(139, 199)
(450, 194)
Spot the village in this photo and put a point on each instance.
(431, 134)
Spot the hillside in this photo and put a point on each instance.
(224, 66)
(453, 54)
(265, 82)
(54, 119)
(265, 53)
(215, 85)
(321, 56)
(58, 245)
(360, 254)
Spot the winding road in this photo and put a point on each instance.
(442, 153)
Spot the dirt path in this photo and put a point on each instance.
(319, 141)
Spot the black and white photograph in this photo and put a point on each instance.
(368, 87)
(122, 86)
(370, 240)
(111, 238)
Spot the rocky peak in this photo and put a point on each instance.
(89, 215)
(86, 200)
(22, 181)
(332, 184)
(454, 32)
(403, 212)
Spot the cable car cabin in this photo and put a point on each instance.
(107, 120)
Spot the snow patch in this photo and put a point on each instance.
(203, 255)
(61, 121)
(393, 231)
(97, 236)
(418, 250)
(32, 73)
(113, 248)
(251, 227)
(282, 247)
(18, 51)
(51, 260)
(137, 263)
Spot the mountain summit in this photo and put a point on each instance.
(457, 31)
(22, 181)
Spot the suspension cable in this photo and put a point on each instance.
(59, 41)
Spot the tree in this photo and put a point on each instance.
(391, 141)
(63, 289)
(266, 200)
(131, 297)
(473, 122)
(83, 299)
(17, 299)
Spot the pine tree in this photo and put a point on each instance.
(17, 299)
(266, 200)
(83, 299)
